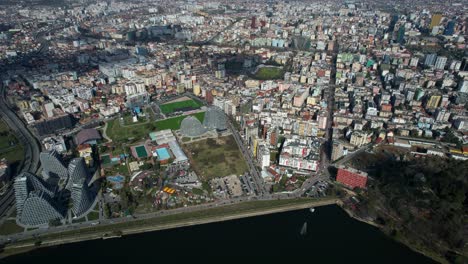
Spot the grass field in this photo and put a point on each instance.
(120, 169)
(175, 106)
(9, 227)
(121, 134)
(7, 138)
(212, 158)
(14, 154)
(269, 73)
(93, 216)
(137, 131)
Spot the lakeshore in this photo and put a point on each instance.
(331, 237)
(136, 226)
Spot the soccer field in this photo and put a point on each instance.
(137, 131)
(178, 106)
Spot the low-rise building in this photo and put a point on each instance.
(351, 177)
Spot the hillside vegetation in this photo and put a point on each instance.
(423, 203)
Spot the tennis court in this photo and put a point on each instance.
(141, 151)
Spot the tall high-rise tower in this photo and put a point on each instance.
(52, 166)
(35, 204)
(78, 172)
(40, 200)
(82, 199)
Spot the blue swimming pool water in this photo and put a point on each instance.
(163, 154)
(117, 178)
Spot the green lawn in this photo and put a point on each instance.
(176, 106)
(9, 227)
(269, 73)
(93, 216)
(213, 158)
(136, 132)
(7, 137)
(105, 159)
(13, 155)
(120, 169)
(122, 134)
(197, 191)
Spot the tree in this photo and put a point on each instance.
(450, 137)
(55, 222)
(146, 166)
(107, 211)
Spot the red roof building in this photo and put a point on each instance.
(351, 177)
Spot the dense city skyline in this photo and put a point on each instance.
(119, 113)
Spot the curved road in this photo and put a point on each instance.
(32, 147)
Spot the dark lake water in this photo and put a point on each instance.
(332, 237)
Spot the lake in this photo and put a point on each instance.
(331, 237)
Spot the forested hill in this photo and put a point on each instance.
(422, 202)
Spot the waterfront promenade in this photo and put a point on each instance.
(134, 226)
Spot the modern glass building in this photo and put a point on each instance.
(39, 201)
(35, 204)
(26, 183)
(77, 171)
(82, 199)
(52, 166)
(39, 209)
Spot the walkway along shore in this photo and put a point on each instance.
(72, 237)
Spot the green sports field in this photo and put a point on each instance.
(141, 151)
(269, 73)
(138, 131)
(176, 106)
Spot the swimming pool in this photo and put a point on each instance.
(163, 154)
(117, 178)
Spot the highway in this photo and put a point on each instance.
(32, 147)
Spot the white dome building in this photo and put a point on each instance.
(215, 119)
(192, 127)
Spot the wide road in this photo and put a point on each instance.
(73, 226)
(32, 147)
(258, 180)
